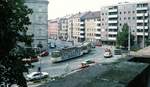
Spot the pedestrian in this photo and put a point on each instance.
(39, 69)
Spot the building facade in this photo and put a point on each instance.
(39, 22)
(53, 28)
(63, 28)
(136, 15)
(92, 27)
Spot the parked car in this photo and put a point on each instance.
(37, 76)
(44, 53)
(30, 59)
(89, 61)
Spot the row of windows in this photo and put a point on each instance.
(125, 18)
(127, 12)
(142, 5)
(89, 29)
(141, 30)
(112, 35)
(90, 34)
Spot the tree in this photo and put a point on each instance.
(122, 37)
(14, 21)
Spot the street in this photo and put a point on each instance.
(58, 69)
(68, 66)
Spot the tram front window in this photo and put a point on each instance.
(55, 54)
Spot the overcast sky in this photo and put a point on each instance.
(59, 8)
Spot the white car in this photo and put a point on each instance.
(107, 54)
(37, 76)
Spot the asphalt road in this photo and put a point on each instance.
(65, 67)
(58, 69)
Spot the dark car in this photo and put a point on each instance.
(44, 53)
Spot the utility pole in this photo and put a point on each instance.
(129, 40)
(143, 29)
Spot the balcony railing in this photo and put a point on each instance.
(97, 32)
(112, 10)
(82, 32)
(141, 33)
(81, 36)
(112, 16)
(141, 14)
(112, 27)
(97, 37)
(141, 27)
(112, 33)
(142, 8)
(141, 21)
(112, 21)
(112, 38)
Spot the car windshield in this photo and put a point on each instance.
(55, 54)
(37, 74)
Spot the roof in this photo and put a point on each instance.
(91, 15)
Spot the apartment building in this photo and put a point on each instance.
(136, 15)
(63, 27)
(53, 28)
(92, 27)
(39, 22)
(76, 27)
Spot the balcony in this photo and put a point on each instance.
(141, 27)
(112, 33)
(112, 21)
(81, 22)
(81, 36)
(97, 32)
(112, 10)
(112, 27)
(112, 16)
(141, 14)
(141, 21)
(97, 37)
(142, 8)
(82, 32)
(112, 38)
(141, 34)
(81, 27)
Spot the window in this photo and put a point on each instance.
(98, 24)
(124, 18)
(124, 12)
(120, 24)
(98, 19)
(128, 18)
(102, 13)
(133, 18)
(120, 12)
(129, 12)
(133, 11)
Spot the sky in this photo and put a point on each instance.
(60, 8)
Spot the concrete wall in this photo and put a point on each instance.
(39, 19)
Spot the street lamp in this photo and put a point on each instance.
(129, 31)
(40, 46)
(143, 29)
